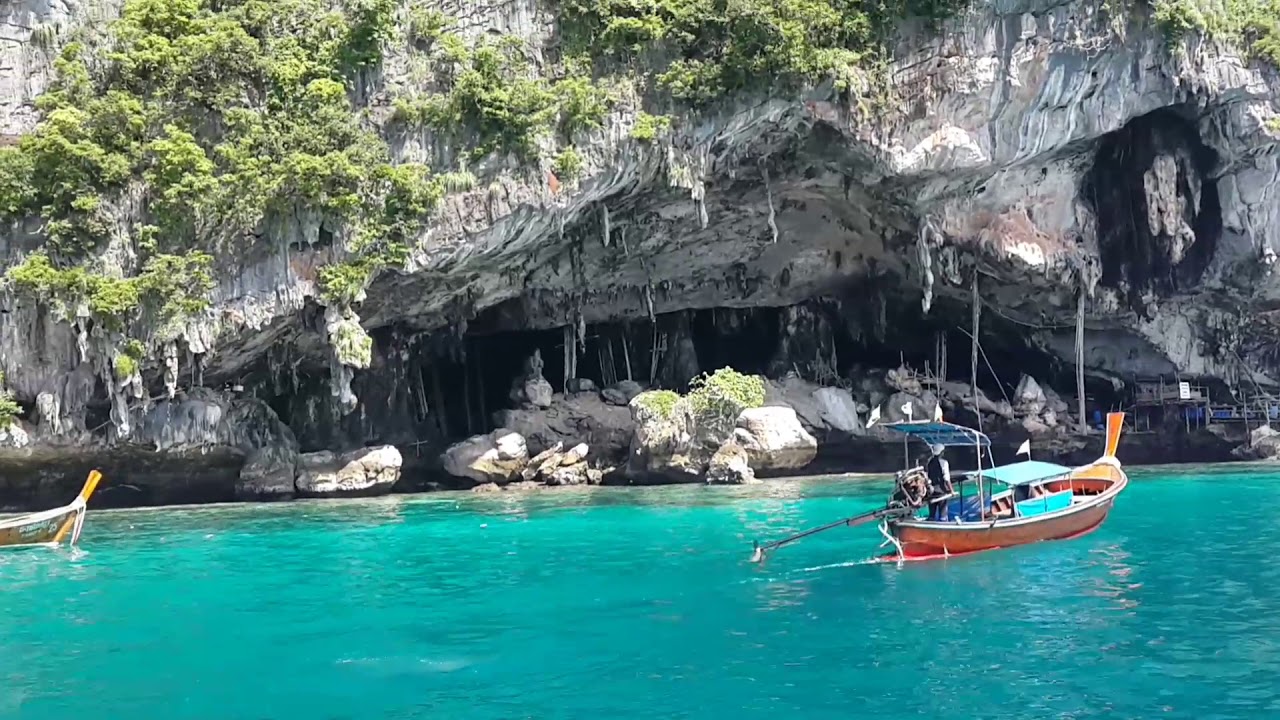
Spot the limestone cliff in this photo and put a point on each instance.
(1045, 149)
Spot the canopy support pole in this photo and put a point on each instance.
(973, 378)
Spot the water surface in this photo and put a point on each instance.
(641, 604)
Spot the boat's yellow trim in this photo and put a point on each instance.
(1115, 423)
(67, 524)
(90, 485)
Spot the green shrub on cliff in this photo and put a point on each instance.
(221, 114)
(9, 408)
(718, 48)
(169, 288)
(1252, 25)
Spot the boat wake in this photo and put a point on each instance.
(832, 566)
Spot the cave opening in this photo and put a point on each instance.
(1156, 203)
(441, 387)
(742, 339)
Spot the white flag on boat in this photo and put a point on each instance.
(1025, 448)
(906, 408)
(875, 416)
(937, 413)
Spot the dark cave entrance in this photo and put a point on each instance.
(430, 390)
(1157, 206)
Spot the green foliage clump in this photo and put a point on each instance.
(568, 164)
(495, 93)
(718, 47)
(9, 408)
(424, 25)
(223, 114)
(352, 345)
(125, 364)
(717, 399)
(169, 288)
(1253, 25)
(659, 403)
(649, 127)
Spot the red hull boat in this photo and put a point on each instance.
(993, 507)
(1039, 501)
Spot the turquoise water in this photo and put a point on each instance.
(641, 604)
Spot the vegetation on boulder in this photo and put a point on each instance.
(716, 400)
(658, 403)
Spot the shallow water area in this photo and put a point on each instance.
(622, 603)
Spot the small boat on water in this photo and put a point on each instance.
(51, 527)
(992, 507)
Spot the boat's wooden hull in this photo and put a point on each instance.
(52, 527)
(40, 530)
(1096, 488)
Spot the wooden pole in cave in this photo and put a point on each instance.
(1084, 425)
(973, 359)
(942, 355)
(626, 348)
(569, 352)
(481, 395)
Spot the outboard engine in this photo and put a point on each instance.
(910, 488)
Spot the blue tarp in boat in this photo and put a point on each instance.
(941, 433)
(1025, 473)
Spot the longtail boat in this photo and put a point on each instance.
(51, 527)
(992, 507)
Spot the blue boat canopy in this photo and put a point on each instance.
(941, 433)
(1025, 473)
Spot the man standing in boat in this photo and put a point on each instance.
(939, 472)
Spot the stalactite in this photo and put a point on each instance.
(926, 262)
(82, 341)
(604, 224)
(768, 191)
(171, 369)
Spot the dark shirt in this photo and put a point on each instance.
(939, 472)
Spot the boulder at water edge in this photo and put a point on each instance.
(363, 472)
(662, 443)
(269, 474)
(730, 466)
(496, 457)
(774, 439)
(1264, 444)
